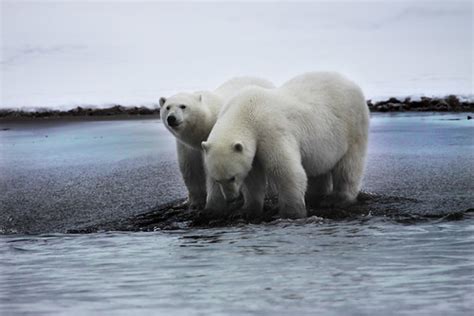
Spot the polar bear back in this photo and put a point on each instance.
(322, 113)
(317, 96)
(235, 85)
(331, 94)
(324, 88)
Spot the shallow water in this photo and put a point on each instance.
(377, 263)
(350, 267)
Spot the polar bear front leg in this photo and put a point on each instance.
(215, 201)
(318, 188)
(290, 180)
(191, 166)
(254, 190)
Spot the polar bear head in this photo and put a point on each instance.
(228, 164)
(180, 111)
(188, 116)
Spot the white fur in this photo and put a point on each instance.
(309, 137)
(195, 123)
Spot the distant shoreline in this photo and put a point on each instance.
(450, 103)
(115, 112)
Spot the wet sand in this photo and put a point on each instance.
(84, 176)
(60, 175)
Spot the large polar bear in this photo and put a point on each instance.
(190, 118)
(309, 137)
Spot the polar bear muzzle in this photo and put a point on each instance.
(171, 120)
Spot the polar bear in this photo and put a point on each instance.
(190, 118)
(309, 137)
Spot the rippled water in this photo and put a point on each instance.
(304, 267)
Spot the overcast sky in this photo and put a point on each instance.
(62, 54)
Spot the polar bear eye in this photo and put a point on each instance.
(168, 108)
(182, 106)
(232, 179)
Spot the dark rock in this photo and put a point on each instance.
(435, 102)
(390, 100)
(444, 106)
(467, 106)
(453, 101)
(144, 111)
(393, 100)
(425, 102)
(469, 117)
(415, 104)
(395, 106)
(383, 108)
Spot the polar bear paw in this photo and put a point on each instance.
(337, 201)
(195, 203)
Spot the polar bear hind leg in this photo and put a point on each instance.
(347, 176)
(318, 188)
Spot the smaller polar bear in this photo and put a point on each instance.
(190, 118)
(309, 137)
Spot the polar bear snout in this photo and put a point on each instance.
(231, 192)
(172, 121)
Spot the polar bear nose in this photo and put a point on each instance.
(171, 120)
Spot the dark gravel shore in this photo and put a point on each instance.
(176, 215)
(87, 176)
(449, 103)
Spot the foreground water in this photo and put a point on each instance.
(353, 267)
(384, 263)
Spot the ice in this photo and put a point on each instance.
(63, 55)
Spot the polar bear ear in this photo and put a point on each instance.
(162, 101)
(205, 146)
(238, 146)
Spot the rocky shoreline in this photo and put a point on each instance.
(79, 112)
(450, 103)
